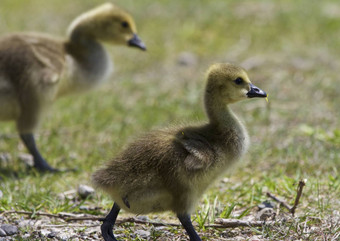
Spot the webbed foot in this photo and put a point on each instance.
(107, 231)
(108, 223)
(40, 163)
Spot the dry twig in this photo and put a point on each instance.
(64, 216)
(280, 201)
(301, 184)
(233, 223)
(69, 217)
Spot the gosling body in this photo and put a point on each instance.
(36, 69)
(169, 169)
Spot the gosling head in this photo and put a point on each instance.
(229, 83)
(107, 23)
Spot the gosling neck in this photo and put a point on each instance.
(89, 55)
(219, 113)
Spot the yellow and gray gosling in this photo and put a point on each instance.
(36, 69)
(169, 169)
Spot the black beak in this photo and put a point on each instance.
(256, 92)
(136, 42)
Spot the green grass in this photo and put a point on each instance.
(291, 49)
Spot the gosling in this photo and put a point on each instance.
(36, 69)
(169, 169)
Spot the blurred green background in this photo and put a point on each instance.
(290, 49)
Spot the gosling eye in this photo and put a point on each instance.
(238, 81)
(125, 24)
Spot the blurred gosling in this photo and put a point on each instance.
(36, 69)
(169, 169)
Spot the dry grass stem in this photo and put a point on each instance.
(302, 183)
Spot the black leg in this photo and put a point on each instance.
(39, 162)
(109, 221)
(187, 224)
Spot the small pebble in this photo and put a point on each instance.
(52, 235)
(265, 204)
(256, 238)
(237, 238)
(143, 233)
(265, 214)
(63, 236)
(70, 194)
(225, 180)
(5, 157)
(84, 191)
(26, 236)
(187, 59)
(84, 208)
(25, 223)
(9, 229)
(2, 233)
(26, 158)
(160, 228)
(45, 232)
(95, 236)
(142, 218)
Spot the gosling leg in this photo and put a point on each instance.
(109, 222)
(39, 162)
(187, 224)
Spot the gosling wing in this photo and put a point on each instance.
(200, 153)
